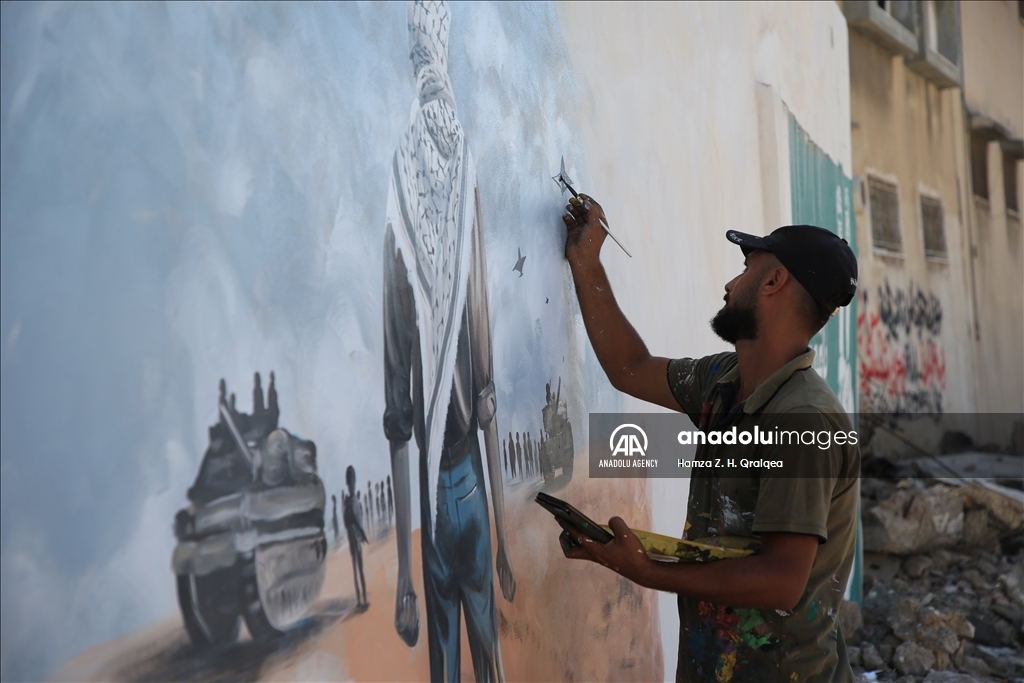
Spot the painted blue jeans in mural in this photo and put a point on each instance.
(457, 571)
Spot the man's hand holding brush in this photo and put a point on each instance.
(586, 235)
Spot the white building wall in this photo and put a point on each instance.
(685, 137)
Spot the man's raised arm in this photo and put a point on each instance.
(622, 353)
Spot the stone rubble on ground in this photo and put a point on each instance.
(943, 585)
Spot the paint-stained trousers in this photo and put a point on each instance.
(457, 571)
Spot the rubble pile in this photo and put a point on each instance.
(943, 583)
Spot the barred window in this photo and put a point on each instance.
(885, 215)
(934, 230)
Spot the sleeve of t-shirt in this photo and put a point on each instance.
(691, 379)
(399, 336)
(797, 497)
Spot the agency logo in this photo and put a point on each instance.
(631, 441)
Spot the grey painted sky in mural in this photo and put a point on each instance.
(196, 192)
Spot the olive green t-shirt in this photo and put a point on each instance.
(815, 493)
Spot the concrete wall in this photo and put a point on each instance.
(197, 192)
(686, 136)
(909, 133)
(941, 334)
(999, 281)
(993, 37)
(993, 50)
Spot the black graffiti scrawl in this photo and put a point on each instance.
(905, 311)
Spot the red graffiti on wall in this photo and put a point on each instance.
(902, 361)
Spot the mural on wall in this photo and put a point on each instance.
(234, 196)
(549, 456)
(437, 345)
(353, 516)
(556, 445)
(251, 543)
(902, 359)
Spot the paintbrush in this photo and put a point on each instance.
(564, 183)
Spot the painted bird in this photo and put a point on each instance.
(519, 264)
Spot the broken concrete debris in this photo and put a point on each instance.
(911, 521)
(1004, 505)
(913, 659)
(943, 582)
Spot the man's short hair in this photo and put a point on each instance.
(813, 313)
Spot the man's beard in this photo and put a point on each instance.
(737, 322)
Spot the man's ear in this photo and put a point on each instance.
(775, 279)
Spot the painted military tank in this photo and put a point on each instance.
(556, 448)
(251, 542)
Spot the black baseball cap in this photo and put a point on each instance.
(820, 260)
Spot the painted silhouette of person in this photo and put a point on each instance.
(519, 456)
(438, 371)
(369, 508)
(257, 395)
(378, 500)
(526, 455)
(529, 454)
(512, 455)
(352, 518)
(334, 516)
(272, 408)
(529, 441)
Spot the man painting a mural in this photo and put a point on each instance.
(438, 371)
(193, 191)
(773, 615)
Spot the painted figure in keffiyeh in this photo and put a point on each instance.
(438, 370)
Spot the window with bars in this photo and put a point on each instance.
(979, 166)
(934, 230)
(885, 215)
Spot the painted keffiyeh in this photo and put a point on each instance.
(430, 212)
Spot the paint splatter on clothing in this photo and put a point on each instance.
(816, 496)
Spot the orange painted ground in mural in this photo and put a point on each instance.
(568, 621)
